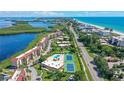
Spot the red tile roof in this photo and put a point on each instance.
(25, 55)
(14, 59)
(21, 76)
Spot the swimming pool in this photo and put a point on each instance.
(56, 56)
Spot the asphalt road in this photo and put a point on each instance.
(88, 60)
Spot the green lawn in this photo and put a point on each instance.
(87, 70)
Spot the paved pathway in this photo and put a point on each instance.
(34, 74)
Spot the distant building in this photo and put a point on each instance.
(118, 41)
(104, 32)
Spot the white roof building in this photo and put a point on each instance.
(119, 40)
(104, 32)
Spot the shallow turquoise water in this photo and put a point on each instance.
(116, 23)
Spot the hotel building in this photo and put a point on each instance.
(118, 41)
(104, 32)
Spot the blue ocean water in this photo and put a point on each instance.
(11, 44)
(4, 24)
(116, 23)
(40, 24)
(18, 18)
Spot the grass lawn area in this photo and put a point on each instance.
(79, 58)
(37, 67)
(77, 64)
(89, 52)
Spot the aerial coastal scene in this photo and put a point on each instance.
(61, 46)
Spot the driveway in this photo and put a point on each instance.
(34, 74)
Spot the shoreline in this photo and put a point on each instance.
(101, 27)
(6, 62)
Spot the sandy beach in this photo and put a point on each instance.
(101, 27)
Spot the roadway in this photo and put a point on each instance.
(88, 60)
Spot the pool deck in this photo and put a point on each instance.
(58, 61)
(54, 61)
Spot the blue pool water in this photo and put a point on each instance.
(11, 44)
(4, 24)
(56, 56)
(70, 67)
(116, 23)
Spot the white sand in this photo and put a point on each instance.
(101, 27)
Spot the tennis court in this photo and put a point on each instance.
(69, 65)
(68, 58)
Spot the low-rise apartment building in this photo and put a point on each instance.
(117, 40)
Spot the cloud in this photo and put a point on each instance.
(49, 13)
(60, 13)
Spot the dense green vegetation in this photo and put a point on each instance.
(21, 22)
(105, 72)
(91, 41)
(20, 28)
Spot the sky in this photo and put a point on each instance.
(61, 13)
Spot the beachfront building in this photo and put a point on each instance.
(104, 32)
(28, 58)
(118, 41)
(86, 27)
